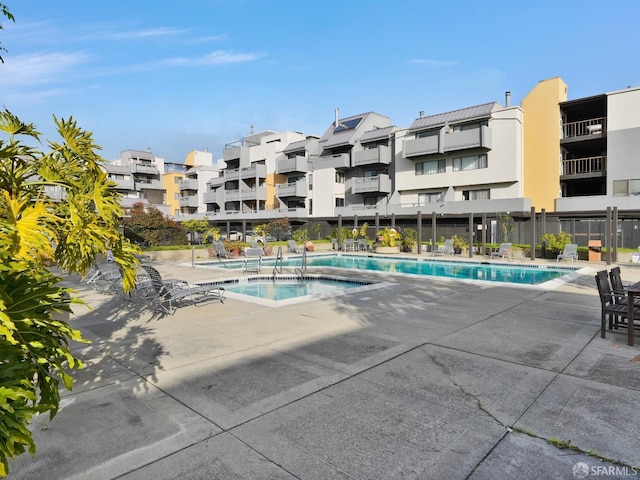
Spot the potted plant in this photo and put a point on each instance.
(409, 239)
(233, 247)
(460, 245)
(388, 240)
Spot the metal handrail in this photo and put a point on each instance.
(303, 268)
(279, 257)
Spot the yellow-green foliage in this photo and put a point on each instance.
(389, 237)
(35, 230)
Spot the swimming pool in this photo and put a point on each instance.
(492, 272)
(284, 290)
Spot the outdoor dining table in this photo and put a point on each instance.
(633, 291)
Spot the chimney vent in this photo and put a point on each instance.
(507, 98)
(421, 113)
(337, 112)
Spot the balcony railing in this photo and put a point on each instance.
(191, 201)
(380, 155)
(294, 189)
(259, 193)
(593, 126)
(144, 168)
(254, 171)
(584, 166)
(296, 164)
(381, 184)
(340, 160)
(213, 196)
(188, 184)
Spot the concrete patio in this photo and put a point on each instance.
(425, 379)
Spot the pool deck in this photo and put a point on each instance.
(427, 378)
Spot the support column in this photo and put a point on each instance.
(244, 229)
(471, 235)
(615, 235)
(484, 234)
(532, 250)
(419, 229)
(339, 232)
(607, 236)
(377, 224)
(434, 217)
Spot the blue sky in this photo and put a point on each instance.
(181, 76)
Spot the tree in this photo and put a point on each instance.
(70, 228)
(148, 226)
(196, 226)
(5, 11)
(279, 228)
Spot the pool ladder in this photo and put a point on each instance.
(300, 271)
(278, 261)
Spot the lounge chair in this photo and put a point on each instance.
(169, 294)
(503, 252)
(570, 251)
(293, 247)
(446, 249)
(252, 259)
(362, 245)
(221, 252)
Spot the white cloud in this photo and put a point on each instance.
(150, 32)
(38, 68)
(433, 63)
(219, 57)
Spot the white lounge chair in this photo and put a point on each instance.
(446, 249)
(293, 247)
(169, 294)
(252, 259)
(570, 251)
(503, 252)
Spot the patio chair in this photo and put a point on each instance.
(169, 294)
(446, 249)
(334, 244)
(612, 305)
(349, 245)
(362, 245)
(293, 247)
(570, 251)
(504, 251)
(104, 278)
(221, 252)
(252, 259)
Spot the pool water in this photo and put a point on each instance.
(502, 273)
(284, 289)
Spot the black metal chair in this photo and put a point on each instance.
(613, 305)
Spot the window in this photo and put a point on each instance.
(370, 173)
(431, 167)
(626, 188)
(339, 177)
(176, 196)
(482, 194)
(428, 133)
(471, 162)
(339, 202)
(310, 206)
(432, 197)
(310, 182)
(469, 126)
(177, 179)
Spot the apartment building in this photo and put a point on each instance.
(137, 175)
(463, 161)
(582, 154)
(247, 186)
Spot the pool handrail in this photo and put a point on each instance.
(278, 259)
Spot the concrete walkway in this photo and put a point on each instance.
(424, 379)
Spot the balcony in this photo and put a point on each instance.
(340, 160)
(381, 183)
(188, 184)
(584, 167)
(146, 168)
(151, 184)
(254, 171)
(236, 153)
(213, 196)
(243, 195)
(452, 141)
(473, 138)
(123, 183)
(190, 201)
(294, 189)
(216, 181)
(421, 146)
(372, 156)
(296, 164)
(592, 128)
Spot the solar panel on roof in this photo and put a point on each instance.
(347, 124)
